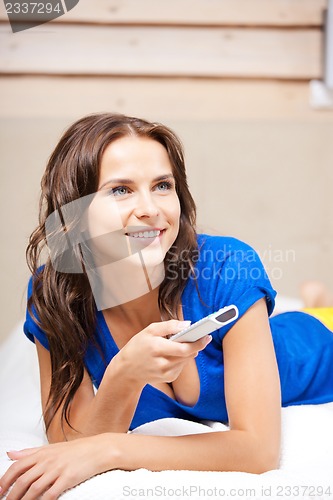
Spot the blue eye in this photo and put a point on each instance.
(119, 191)
(167, 185)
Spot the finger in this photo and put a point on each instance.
(202, 343)
(165, 328)
(62, 484)
(14, 472)
(16, 454)
(24, 482)
(182, 358)
(40, 486)
(187, 349)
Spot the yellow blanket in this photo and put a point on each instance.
(324, 314)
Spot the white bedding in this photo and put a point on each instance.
(306, 468)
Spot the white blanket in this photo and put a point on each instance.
(306, 468)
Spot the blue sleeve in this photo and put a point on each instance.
(240, 278)
(30, 327)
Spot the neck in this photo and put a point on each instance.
(139, 312)
(124, 281)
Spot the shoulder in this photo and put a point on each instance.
(230, 271)
(32, 279)
(220, 241)
(221, 248)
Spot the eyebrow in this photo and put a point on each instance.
(130, 181)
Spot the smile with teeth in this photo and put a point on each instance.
(145, 234)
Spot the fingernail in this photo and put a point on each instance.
(209, 338)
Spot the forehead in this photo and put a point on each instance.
(132, 155)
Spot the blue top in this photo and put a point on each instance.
(228, 271)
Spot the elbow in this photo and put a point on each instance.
(55, 437)
(261, 454)
(266, 466)
(266, 450)
(58, 432)
(59, 436)
(267, 460)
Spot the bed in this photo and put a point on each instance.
(305, 471)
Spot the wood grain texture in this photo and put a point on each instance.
(196, 12)
(163, 52)
(164, 99)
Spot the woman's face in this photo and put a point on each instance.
(136, 208)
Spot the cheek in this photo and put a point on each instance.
(177, 214)
(103, 218)
(174, 208)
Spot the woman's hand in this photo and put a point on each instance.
(52, 469)
(149, 357)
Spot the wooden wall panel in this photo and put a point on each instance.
(197, 12)
(213, 12)
(159, 99)
(153, 51)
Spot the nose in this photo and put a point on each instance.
(146, 206)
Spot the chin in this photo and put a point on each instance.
(152, 259)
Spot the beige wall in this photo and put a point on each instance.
(259, 158)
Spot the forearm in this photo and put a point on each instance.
(214, 451)
(114, 404)
(56, 468)
(110, 410)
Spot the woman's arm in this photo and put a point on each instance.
(114, 404)
(252, 389)
(147, 358)
(252, 444)
(55, 468)
(252, 383)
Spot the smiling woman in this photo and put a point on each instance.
(131, 222)
(126, 270)
(142, 205)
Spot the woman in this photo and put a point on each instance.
(126, 270)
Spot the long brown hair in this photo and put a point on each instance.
(63, 301)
